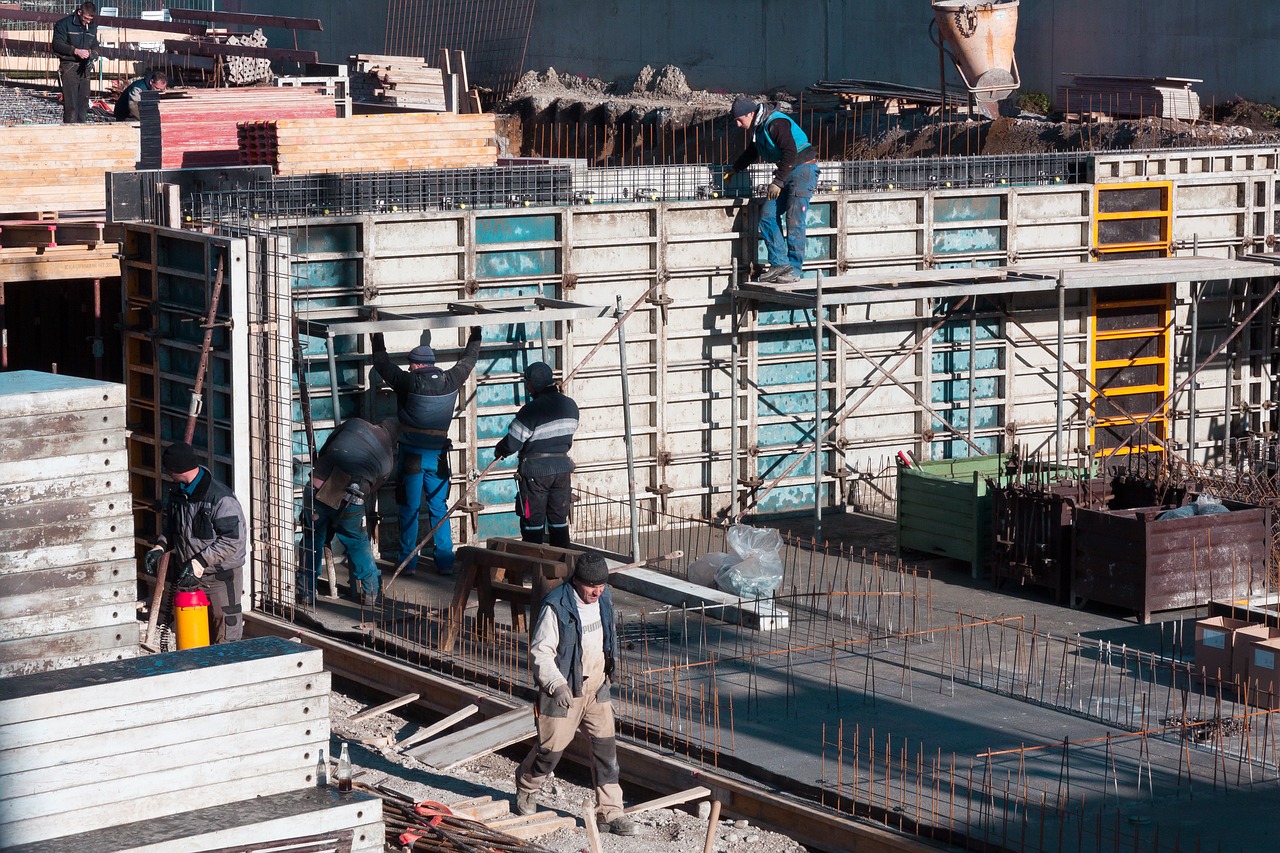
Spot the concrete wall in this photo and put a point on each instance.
(756, 44)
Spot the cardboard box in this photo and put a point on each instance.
(1242, 647)
(1215, 639)
(1264, 673)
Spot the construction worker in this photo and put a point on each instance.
(572, 655)
(776, 138)
(203, 527)
(75, 38)
(350, 468)
(426, 396)
(542, 435)
(127, 103)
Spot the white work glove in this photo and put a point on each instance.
(562, 695)
(197, 567)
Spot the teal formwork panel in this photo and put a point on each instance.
(519, 263)
(334, 274)
(955, 241)
(968, 208)
(324, 238)
(541, 228)
(817, 247)
(498, 524)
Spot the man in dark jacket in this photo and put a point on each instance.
(353, 464)
(426, 396)
(776, 138)
(203, 527)
(75, 38)
(127, 103)
(571, 655)
(542, 435)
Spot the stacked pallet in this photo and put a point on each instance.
(396, 81)
(52, 167)
(185, 128)
(67, 569)
(370, 143)
(1159, 97)
(211, 748)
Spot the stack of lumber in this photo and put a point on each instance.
(184, 128)
(51, 167)
(396, 81)
(67, 569)
(73, 229)
(370, 143)
(211, 748)
(1159, 97)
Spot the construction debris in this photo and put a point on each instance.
(427, 825)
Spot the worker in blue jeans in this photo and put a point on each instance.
(350, 468)
(426, 396)
(776, 138)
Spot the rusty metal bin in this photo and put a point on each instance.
(1126, 558)
(1033, 532)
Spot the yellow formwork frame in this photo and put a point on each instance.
(1161, 332)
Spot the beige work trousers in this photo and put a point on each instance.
(554, 736)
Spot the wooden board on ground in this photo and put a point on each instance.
(493, 734)
(760, 615)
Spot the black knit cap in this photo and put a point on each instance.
(179, 457)
(591, 570)
(539, 376)
(742, 107)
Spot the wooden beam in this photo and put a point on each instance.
(246, 19)
(205, 48)
(669, 800)
(385, 706)
(437, 727)
(593, 829)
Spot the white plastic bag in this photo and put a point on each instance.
(759, 573)
(703, 570)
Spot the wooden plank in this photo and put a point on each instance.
(72, 553)
(543, 827)
(492, 810)
(114, 615)
(63, 488)
(593, 829)
(762, 615)
(32, 657)
(74, 584)
(669, 800)
(384, 707)
(301, 694)
(502, 731)
(264, 819)
(30, 392)
(86, 533)
(241, 781)
(70, 597)
(437, 727)
(219, 667)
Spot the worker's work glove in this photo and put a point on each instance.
(562, 695)
(728, 175)
(187, 582)
(474, 334)
(774, 191)
(196, 568)
(499, 452)
(151, 560)
(377, 342)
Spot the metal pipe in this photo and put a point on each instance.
(99, 353)
(1062, 343)
(733, 390)
(333, 378)
(1195, 348)
(626, 426)
(817, 409)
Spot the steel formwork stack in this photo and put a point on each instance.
(726, 394)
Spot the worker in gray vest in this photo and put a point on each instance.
(572, 656)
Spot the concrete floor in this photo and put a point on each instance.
(788, 709)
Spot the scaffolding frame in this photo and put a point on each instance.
(819, 293)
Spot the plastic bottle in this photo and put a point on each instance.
(344, 771)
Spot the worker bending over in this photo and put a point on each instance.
(127, 103)
(776, 138)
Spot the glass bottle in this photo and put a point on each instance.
(344, 770)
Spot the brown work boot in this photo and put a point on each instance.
(620, 825)
(526, 804)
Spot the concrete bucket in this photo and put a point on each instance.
(979, 38)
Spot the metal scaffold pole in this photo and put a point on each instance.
(620, 315)
(817, 411)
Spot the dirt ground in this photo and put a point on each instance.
(494, 775)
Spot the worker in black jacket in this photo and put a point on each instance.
(127, 103)
(542, 435)
(204, 528)
(427, 396)
(776, 138)
(352, 465)
(75, 38)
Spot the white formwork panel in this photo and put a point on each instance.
(1050, 221)
(1209, 214)
(1170, 164)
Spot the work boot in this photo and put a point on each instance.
(771, 274)
(787, 276)
(620, 825)
(526, 804)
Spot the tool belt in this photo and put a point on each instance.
(338, 491)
